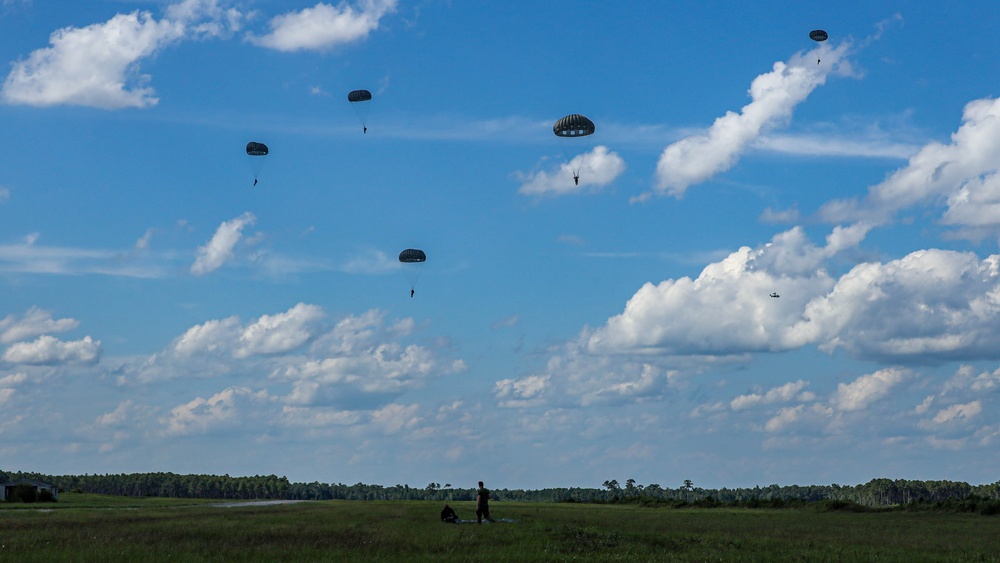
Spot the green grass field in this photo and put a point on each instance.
(83, 527)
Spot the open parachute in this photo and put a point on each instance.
(574, 125)
(361, 102)
(819, 36)
(256, 149)
(410, 258)
(571, 127)
(255, 152)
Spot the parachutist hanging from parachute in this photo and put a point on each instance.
(819, 36)
(572, 126)
(255, 151)
(410, 258)
(360, 101)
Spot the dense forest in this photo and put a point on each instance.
(875, 493)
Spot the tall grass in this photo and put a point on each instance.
(82, 528)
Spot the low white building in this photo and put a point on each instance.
(7, 489)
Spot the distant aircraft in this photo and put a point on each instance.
(570, 127)
(818, 35)
(775, 295)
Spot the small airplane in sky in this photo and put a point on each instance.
(775, 295)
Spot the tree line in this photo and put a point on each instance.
(875, 493)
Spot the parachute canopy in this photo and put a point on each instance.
(411, 255)
(256, 149)
(359, 96)
(573, 125)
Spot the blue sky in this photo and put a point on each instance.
(159, 312)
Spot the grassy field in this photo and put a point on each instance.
(95, 528)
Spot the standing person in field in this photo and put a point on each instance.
(483, 504)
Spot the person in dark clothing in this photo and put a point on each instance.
(483, 504)
(449, 515)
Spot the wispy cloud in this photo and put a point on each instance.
(824, 145)
(371, 261)
(33, 258)
(219, 249)
(508, 322)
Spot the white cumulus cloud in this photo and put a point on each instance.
(361, 358)
(269, 334)
(523, 392)
(895, 310)
(867, 389)
(380, 369)
(209, 337)
(357, 362)
(324, 26)
(98, 65)
(954, 412)
(596, 169)
(35, 322)
(202, 415)
(783, 393)
(9, 384)
(727, 309)
(206, 18)
(48, 350)
(900, 309)
(961, 174)
(92, 66)
(393, 418)
(275, 334)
